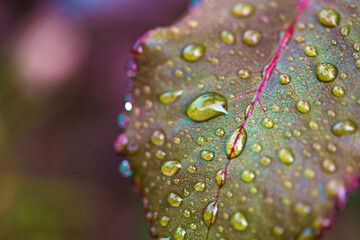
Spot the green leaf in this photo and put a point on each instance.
(273, 148)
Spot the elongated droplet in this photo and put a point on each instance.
(210, 213)
(193, 52)
(248, 175)
(158, 137)
(169, 97)
(227, 37)
(220, 177)
(125, 169)
(328, 17)
(169, 168)
(326, 72)
(344, 127)
(242, 10)
(180, 233)
(174, 199)
(310, 51)
(207, 106)
(207, 155)
(286, 156)
(239, 221)
(236, 143)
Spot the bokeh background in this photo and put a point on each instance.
(62, 84)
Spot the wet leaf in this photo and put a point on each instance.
(288, 71)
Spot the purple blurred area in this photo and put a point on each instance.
(62, 86)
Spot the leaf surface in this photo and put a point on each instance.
(278, 151)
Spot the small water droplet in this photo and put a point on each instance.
(169, 168)
(180, 233)
(286, 156)
(220, 132)
(158, 137)
(335, 188)
(344, 127)
(268, 122)
(265, 160)
(243, 9)
(256, 147)
(278, 230)
(193, 52)
(311, 51)
(169, 97)
(302, 209)
(220, 177)
(239, 221)
(244, 73)
(284, 78)
(207, 106)
(236, 143)
(207, 155)
(227, 37)
(338, 91)
(344, 31)
(328, 17)
(248, 176)
(328, 166)
(252, 37)
(164, 221)
(125, 169)
(120, 143)
(200, 186)
(303, 106)
(307, 234)
(174, 199)
(210, 213)
(326, 72)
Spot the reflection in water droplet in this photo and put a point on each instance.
(239, 221)
(268, 122)
(265, 160)
(164, 221)
(326, 72)
(303, 106)
(286, 156)
(207, 155)
(220, 177)
(174, 199)
(307, 234)
(248, 175)
(244, 73)
(207, 106)
(169, 97)
(200, 186)
(252, 37)
(311, 51)
(210, 213)
(278, 230)
(328, 17)
(169, 168)
(302, 209)
(236, 143)
(243, 9)
(344, 127)
(335, 188)
(227, 37)
(125, 169)
(158, 137)
(328, 166)
(220, 132)
(180, 233)
(284, 78)
(338, 91)
(193, 52)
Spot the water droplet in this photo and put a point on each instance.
(335, 188)
(248, 176)
(278, 230)
(236, 143)
(200, 186)
(328, 166)
(239, 221)
(344, 127)
(180, 233)
(286, 156)
(125, 169)
(303, 106)
(207, 106)
(326, 72)
(169, 97)
(158, 137)
(268, 122)
(220, 177)
(311, 51)
(344, 31)
(227, 37)
(243, 9)
(123, 120)
(244, 73)
(220, 132)
(174, 199)
(256, 147)
(193, 52)
(302, 209)
(210, 213)
(207, 155)
(164, 221)
(252, 37)
(307, 234)
(169, 168)
(120, 143)
(265, 160)
(200, 140)
(284, 78)
(328, 17)
(338, 91)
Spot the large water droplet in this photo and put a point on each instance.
(220, 177)
(210, 213)
(169, 168)
(344, 127)
(158, 137)
(252, 37)
(236, 143)
(174, 199)
(193, 52)
(239, 221)
(326, 72)
(328, 17)
(207, 106)
(180, 233)
(286, 156)
(169, 97)
(243, 9)
(207, 155)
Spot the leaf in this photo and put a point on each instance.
(284, 154)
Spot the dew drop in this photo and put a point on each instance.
(243, 9)
(236, 143)
(265, 160)
(311, 51)
(303, 106)
(286, 156)
(164, 221)
(193, 52)
(244, 73)
(344, 127)
(220, 132)
(284, 78)
(125, 169)
(200, 140)
(169, 168)
(268, 122)
(169, 97)
(335, 188)
(328, 17)
(307, 234)
(338, 91)
(200, 186)
(207, 106)
(220, 177)
(227, 37)
(328, 166)
(326, 72)
(252, 37)
(239, 221)
(174, 199)
(278, 230)
(158, 138)
(207, 155)
(256, 147)
(302, 209)
(210, 213)
(180, 233)
(248, 176)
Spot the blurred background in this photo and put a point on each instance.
(62, 86)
